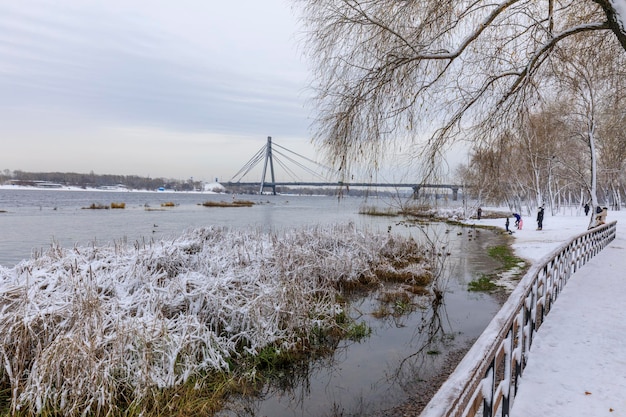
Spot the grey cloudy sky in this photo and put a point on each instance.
(149, 87)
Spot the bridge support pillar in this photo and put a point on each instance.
(416, 192)
(268, 158)
(455, 193)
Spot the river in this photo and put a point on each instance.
(402, 357)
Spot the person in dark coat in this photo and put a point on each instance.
(479, 212)
(518, 221)
(540, 218)
(586, 209)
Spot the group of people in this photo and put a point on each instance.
(519, 223)
(601, 213)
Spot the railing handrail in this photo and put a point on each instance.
(487, 377)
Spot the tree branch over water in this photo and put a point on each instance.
(431, 73)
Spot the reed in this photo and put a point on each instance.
(125, 329)
(234, 203)
(377, 211)
(95, 206)
(118, 205)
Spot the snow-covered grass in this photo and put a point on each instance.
(90, 329)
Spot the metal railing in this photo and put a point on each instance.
(486, 381)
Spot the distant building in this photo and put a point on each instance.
(35, 183)
(214, 187)
(117, 187)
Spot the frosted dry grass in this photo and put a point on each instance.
(83, 328)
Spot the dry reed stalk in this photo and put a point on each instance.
(83, 328)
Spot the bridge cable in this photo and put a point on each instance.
(261, 155)
(287, 169)
(301, 165)
(251, 163)
(303, 157)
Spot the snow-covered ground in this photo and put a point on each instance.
(577, 363)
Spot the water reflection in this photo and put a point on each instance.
(405, 355)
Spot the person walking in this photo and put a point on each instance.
(586, 209)
(540, 218)
(479, 212)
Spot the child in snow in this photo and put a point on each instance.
(540, 218)
(506, 225)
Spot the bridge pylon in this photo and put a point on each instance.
(270, 161)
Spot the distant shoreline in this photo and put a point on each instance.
(118, 190)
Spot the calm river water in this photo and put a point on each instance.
(399, 360)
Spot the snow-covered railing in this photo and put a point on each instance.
(486, 381)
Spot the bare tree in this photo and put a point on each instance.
(528, 160)
(435, 71)
(613, 155)
(575, 140)
(589, 82)
(612, 134)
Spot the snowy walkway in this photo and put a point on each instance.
(577, 362)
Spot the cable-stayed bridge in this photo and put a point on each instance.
(272, 152)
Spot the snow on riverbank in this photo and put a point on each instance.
(208, 188)
(575, 365)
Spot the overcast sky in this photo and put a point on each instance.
(157, 88)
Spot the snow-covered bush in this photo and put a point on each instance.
(80, 327)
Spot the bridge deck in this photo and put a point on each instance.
(341, 184)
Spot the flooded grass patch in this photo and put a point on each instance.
(377, 211)
(484, 283)
(96, 206)
(234, 203)
(505, 255)
(395, 303)
(505, 276)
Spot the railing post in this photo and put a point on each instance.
(489, 390)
